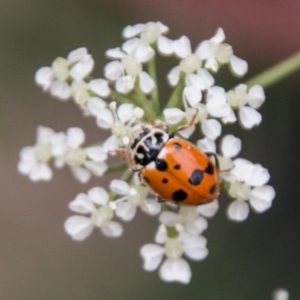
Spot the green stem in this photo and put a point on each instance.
(154, 93)
(171, 232)
(116, 168)
(141, 100)
(119, 98)
(278, 72)
(176, 97)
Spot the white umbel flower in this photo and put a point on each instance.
(134, 195)
(76, 66)
(95, 203)
(129, 61)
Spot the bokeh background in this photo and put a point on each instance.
(38, 260)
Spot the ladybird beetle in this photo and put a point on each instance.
(176, 170)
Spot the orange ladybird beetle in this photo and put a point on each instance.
(176, 170)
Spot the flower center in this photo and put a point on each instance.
(173, 248)
(60, 67)
(150, 33)
(131, 65)
(42, 152)
(101, 216)
(75, 157)
(190, 64)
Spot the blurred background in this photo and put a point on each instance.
(38, 260)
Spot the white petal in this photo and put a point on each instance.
(173, 76)
(151, 207)
(115, 53)
(77, 54)
(144, 52)
(44, 135)
(230, 145)
(82, 174)
(238, 66)
(196, 249)
(249, 117)
(78, 227)
(196, 81)
(238, 211)
(230, 118)
(175, 270)
(206, 49)
(165, 45)
(218, 108)
(82, 68)
(125, 84)
(280, 294)
(207, 78)
(75, 137)
(131, 45)
(152, 255)
(256, 96)
(219, 36)
(197, 227)
(243, 169)
(99, 87)
(146, 82)
(98, 195)
(95, 105)
(60, 89)
(119, 186)
(113, 70)
(259, 177)
(44, 77)
(112, 229)
(173, 115)
(208, 210)
(169, 218)
(207, 145)
(105, 119)
(182, 47)
(96, 153)
(186, 133)
(40, 171)
(125, 112)
(163, 28)
(262, 197)
(59, 144)
(111, 144)
(132, 31)
(125, 211)
(212, 64)
(192, 94)
(161, 234)
(82, 204)
(211, 128)
(97, 168)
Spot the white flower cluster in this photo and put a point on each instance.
(125, 101)
(61, 149)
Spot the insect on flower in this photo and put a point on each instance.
(175, 169)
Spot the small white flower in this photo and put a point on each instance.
(34, 159)
(280, 294)
(96, 204)
(215, 52)
(129, 61)
(77, 66)
(135, 196)
(239, 98)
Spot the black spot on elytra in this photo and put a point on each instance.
(165, 180)
(213, 189)
(196, 177)
(161, 165)
(177, 146)
(210, 169)
(177, 167)
(179, 195)
(146, 179)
